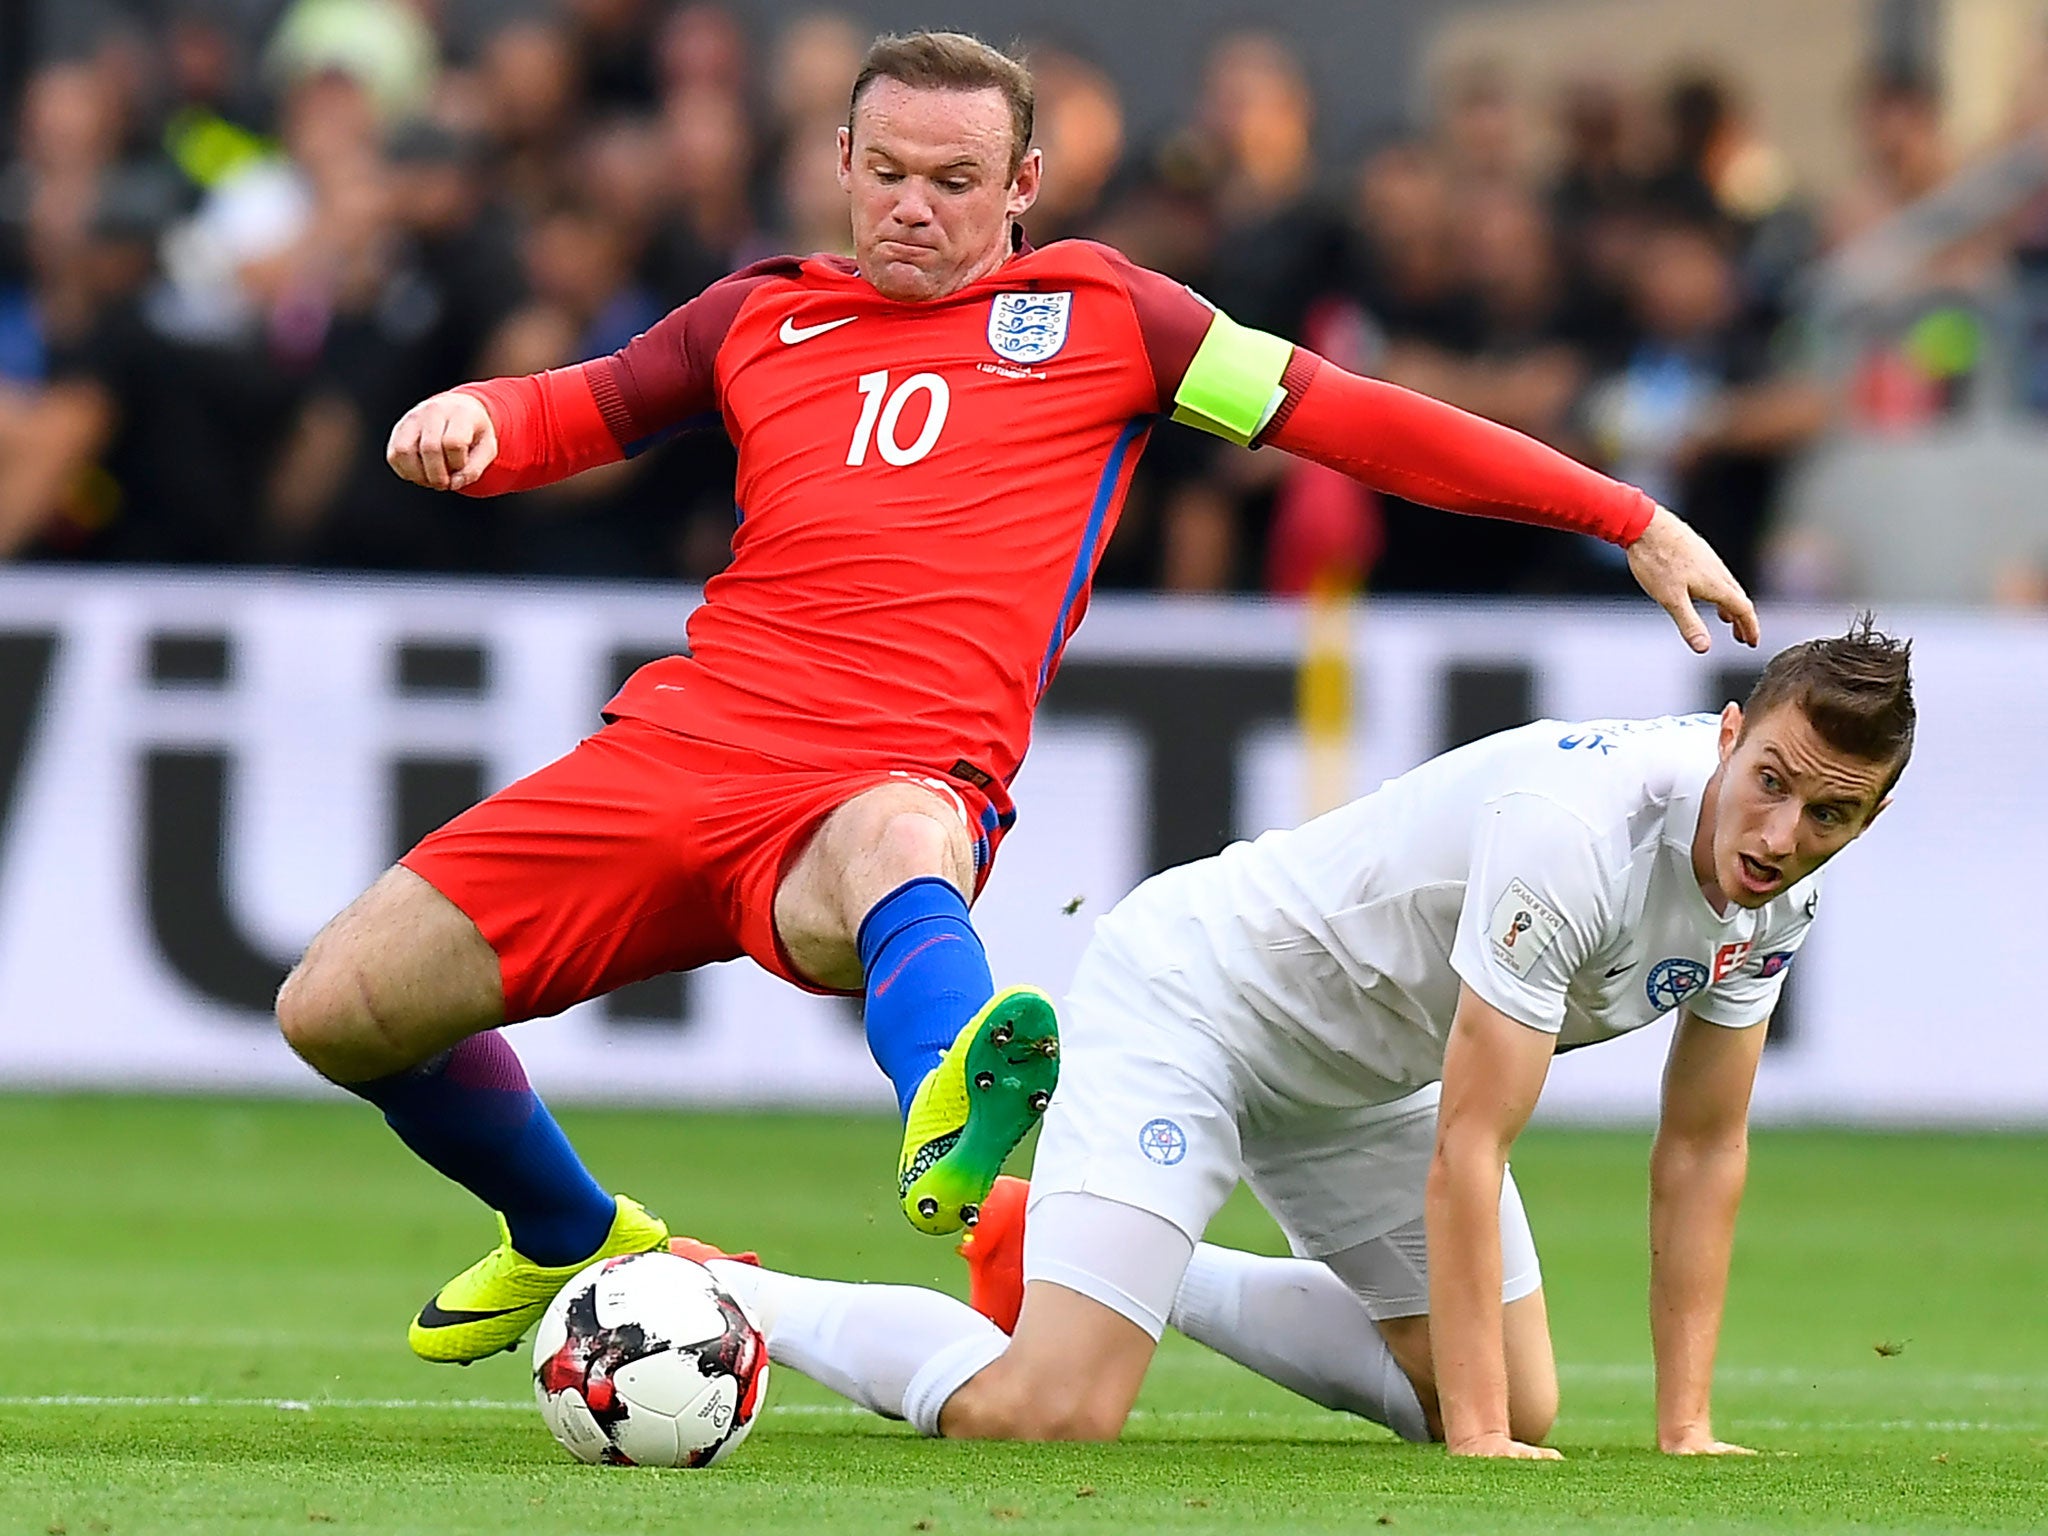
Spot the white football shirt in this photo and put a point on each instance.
(1548, 867)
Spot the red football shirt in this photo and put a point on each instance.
(924, 489)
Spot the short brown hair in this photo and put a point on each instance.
(1856, 690)
(951, 61)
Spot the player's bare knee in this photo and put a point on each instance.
(1095, 1418)
(326, 1013)
(1532, 1411)
(915, 841)
(310, 1020)
(1017, 1416)
(1011, 1404)
(311, 1038)
(984, 1407)
(303, 1009)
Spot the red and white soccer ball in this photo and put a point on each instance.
(648, 1361)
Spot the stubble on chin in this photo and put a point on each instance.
(905, 283)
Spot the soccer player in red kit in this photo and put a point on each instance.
(935, 438)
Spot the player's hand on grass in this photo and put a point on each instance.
(445, 442)
(1678, 568)
(1699, 1442)
(1503, 1447)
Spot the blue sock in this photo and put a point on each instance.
(471, 1114)
(926, 975)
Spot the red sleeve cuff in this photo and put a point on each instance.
(549, 427)
(1638, 521)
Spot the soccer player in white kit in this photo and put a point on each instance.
(1356, 1016)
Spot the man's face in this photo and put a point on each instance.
(928, 172)
(1788, 802)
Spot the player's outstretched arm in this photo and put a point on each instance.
(1697, 1170)
(1425, 451)
(1494, 1068)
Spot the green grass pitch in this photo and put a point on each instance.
(204, 1306)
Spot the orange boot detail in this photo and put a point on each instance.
(690, 1248)
(994, 1251)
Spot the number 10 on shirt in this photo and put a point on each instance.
(882, 410)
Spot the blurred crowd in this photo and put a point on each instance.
(230, 258)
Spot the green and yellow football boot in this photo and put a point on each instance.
(969, 1114)
(491, 1304)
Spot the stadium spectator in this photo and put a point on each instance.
(151, 442)
(465, 242)
(1702, 414)
(1403, 259)
(809, 210)
(1520, 359)
(702, 48)
(1275, 249)
(1904, 152)
(813, 58)
(1598, 169)
(523, 95)
(1597, 197)
(587, 301)
(1515, 354)
(1478, 128)
(1081, 130)
(384, 45)
(210, 111)
(70, 136)
(615, 55)
(708, 149)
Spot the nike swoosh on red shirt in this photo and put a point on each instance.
(792, 333)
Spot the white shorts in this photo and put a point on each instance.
(1151, 1114)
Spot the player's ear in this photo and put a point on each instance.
(1879, 811)
(1731, 730)
(1024, 185)
(846, 159)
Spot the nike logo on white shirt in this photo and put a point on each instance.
(792, 333)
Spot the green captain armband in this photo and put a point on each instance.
(1232, 388)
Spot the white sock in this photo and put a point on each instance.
(895, 1349)
(1294, 1322)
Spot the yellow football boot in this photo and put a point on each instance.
(491, 1304)
(969, 1114)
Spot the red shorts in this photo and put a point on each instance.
(643, 851)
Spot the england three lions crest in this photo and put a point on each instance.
(1028, 327)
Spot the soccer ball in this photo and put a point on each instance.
(648, 1361)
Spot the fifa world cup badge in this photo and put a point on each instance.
(1028, 327)
(1522, 926)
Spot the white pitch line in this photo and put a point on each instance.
(178, 1337)
(282, 1404)
(1794, 1376)
(1741, 1425)
(356, 1404)
(353, 1404)
(848, 1410)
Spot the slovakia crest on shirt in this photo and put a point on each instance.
(1028, 327)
